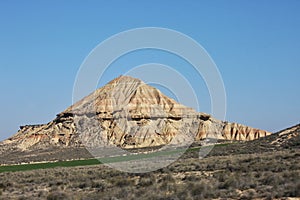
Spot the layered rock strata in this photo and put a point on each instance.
(129, 113)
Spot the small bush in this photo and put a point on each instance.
(57, 196)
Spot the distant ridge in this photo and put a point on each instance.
(287, 137)
(288, 130)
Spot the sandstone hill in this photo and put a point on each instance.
(130, 114)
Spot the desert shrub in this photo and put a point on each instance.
(83, 185)
(165, 186)
(201, 190)
(210, 166)
(5, 185)
(184, 193)
(221, 176)
(100, 185)
(41, 193)
(230, 182)
(273, 179)
(56, 182)
(2, 186)
(292, 190)
(193, 178)
(146, 181)
(58, 195)
(168, 178)
(122, 182)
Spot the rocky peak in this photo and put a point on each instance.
(131, 95)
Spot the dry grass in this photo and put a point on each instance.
(268, 175)
(247, 170)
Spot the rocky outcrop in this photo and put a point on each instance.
(234, 131)
(289, 137)
(228, 131)
(60, 131)
(128, 113)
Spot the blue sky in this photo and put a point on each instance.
(255, 45)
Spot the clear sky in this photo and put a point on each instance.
(255, 45)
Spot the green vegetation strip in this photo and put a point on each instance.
(74, 163)
(24, 167)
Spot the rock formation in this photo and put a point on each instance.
(128, 113)
(289, 137)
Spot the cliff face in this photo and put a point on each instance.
(128, 113)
